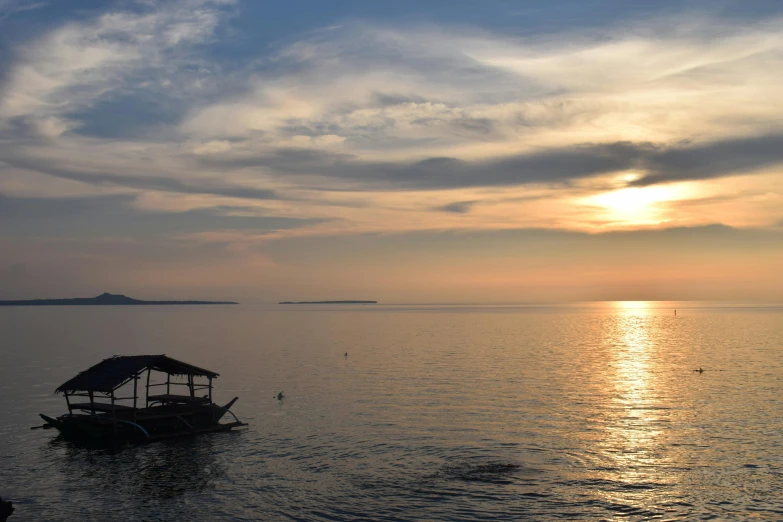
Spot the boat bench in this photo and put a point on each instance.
(177, 399)
(99, 406)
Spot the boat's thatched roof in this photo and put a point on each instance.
(111, 373)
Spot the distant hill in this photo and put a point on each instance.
(328, 302)
(104, 299)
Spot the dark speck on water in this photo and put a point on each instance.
(496, 472)
(445, 413)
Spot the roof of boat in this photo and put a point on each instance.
(115, 371)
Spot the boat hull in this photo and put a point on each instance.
(146, 425)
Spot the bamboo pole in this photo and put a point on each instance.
(113, 412)
(211, 410)
(147, 398)
(192, 393)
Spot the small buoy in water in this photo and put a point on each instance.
(279, 396)
(346, 355)
(699, 370)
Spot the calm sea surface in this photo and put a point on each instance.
(582, 412)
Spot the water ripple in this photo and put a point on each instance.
(438, 414)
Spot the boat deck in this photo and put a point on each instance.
(108, 411)
(100, 406)
(168, 398)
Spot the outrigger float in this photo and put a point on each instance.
(163, 415)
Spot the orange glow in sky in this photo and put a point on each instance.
(634, 157)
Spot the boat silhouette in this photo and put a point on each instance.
(164, 415)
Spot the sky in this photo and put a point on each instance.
(409, 152)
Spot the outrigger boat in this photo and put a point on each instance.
(163, 415)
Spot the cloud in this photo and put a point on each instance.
(655, 163)
(80, 64)
(554, 166)
(8, 8)
(374, 85)
(458, 207)
(146, 182)
(370, 127)
(119, 217)
(711, 160)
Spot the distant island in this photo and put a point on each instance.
(328, 302)
(104, 299)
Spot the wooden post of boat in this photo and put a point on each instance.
(168, 383)
(68, 402)
(135, 395)
(192, 387)
(210, 397)
(147, 403)
(92, 402)
(113, 412)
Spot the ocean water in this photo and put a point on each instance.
(580, 412)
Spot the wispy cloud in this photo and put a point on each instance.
(458, 207)
(8, 8)
(78, 65)
(429, 88)
(153, 182)
(361, 127)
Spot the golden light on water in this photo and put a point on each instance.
(629, 307)
(632, 364)
(634, 425)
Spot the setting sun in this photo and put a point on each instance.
(637, 206)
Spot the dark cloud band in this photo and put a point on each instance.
(655, 164)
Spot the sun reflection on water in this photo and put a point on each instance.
(634, 423)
